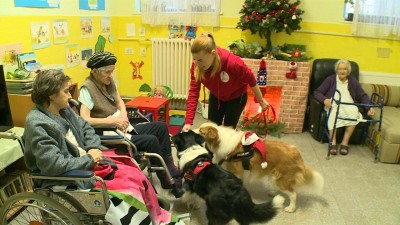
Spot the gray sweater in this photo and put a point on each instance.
(47, 150)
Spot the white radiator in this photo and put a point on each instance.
(171, 65)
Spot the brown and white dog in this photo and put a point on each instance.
(281, 161)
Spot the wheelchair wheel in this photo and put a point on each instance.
(69, 202)
(32, 208)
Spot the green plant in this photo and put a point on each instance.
(145, 88)
(239, 48)
(287, 53)
(274, 129)
(270, 16)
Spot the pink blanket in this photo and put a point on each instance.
(129, 179)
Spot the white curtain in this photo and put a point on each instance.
(181, 12)
(377, 18)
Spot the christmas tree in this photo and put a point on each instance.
(267, 16)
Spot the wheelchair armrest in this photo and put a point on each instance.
(100, 129)
(68, 174)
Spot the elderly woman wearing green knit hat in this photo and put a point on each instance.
(102, 105)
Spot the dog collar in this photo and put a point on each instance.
(192, 172)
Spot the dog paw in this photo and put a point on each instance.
(290, 209)
(278, 201)
(192, 200)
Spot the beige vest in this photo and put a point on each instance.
(105, 102)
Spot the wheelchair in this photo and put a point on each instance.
(59, 206)
(376, 101)
(113, 138)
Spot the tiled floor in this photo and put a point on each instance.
(357, 190)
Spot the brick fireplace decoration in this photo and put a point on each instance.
(294, 91)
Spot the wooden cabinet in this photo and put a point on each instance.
(21, 105)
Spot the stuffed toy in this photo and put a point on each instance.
(191, 32)
(292, 73)
(159, 92)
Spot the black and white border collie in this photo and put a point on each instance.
(224, 193)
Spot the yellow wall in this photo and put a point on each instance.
(323, 32)
(17, 30)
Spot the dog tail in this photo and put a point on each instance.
(314, 181)
(266, 211)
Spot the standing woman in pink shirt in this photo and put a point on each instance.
(226, 76)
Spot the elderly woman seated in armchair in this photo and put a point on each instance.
(351, 92)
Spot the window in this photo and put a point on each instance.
(377, 18)
(181, 12)
(349, 10)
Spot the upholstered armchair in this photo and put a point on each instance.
(316, 116)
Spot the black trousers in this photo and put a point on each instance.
(228, 113)
(153, 138)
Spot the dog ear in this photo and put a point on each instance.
(199, 139)
(212, 133)
(176, 140)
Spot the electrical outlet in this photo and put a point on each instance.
(129, 51)
(143, 51)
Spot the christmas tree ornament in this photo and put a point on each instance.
(296, 53)
(294, 17)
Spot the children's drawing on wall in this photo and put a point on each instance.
(86, 54)
(136, 69)
(86, 27)
(73, 55)
(8, 53)
(60, 31)
(40, 32)
(8, 57)
(105, 25)
(37, 3)
(175, 31)
(92, 4)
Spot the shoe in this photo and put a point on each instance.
(177, 189)
(333, 150)
(344, 149)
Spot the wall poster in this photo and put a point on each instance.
(37, 3)
(60, 31)
(92, 4)
(40, 35)
(73, 55)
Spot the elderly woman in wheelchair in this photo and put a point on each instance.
(101, 104)
(58, 141)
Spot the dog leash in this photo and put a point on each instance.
(260, 116)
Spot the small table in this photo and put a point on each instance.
(10, 150)
(151, 104)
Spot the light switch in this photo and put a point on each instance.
(129, 51)
(143, 51)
